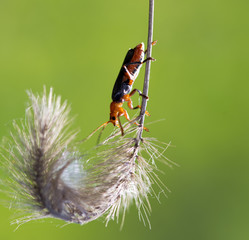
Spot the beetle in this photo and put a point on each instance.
(122, 90)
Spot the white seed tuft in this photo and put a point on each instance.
(50, 176)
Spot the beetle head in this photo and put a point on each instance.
(114, 118)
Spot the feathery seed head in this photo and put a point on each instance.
(49, 176)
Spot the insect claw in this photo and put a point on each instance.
(147, 113)
(152, 59)
(154, 43)
(146, 129)
(144, 96)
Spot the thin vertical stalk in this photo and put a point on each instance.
(147, 70)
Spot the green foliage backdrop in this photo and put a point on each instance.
(199, 85)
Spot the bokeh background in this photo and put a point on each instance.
(199, 86)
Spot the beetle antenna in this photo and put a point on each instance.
(98, 140)
(102, 125)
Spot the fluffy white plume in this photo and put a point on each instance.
(49, 176)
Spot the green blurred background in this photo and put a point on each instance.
(199, 85)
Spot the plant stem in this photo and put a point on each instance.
(147, 70)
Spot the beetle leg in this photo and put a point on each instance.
(153, 44)
(139, 92)
(128, 119)
(126, 115)
(121, 127)
(130, 105)
(130, 75)
(145, 60)
(146, 112)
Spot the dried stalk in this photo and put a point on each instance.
(147, 70)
